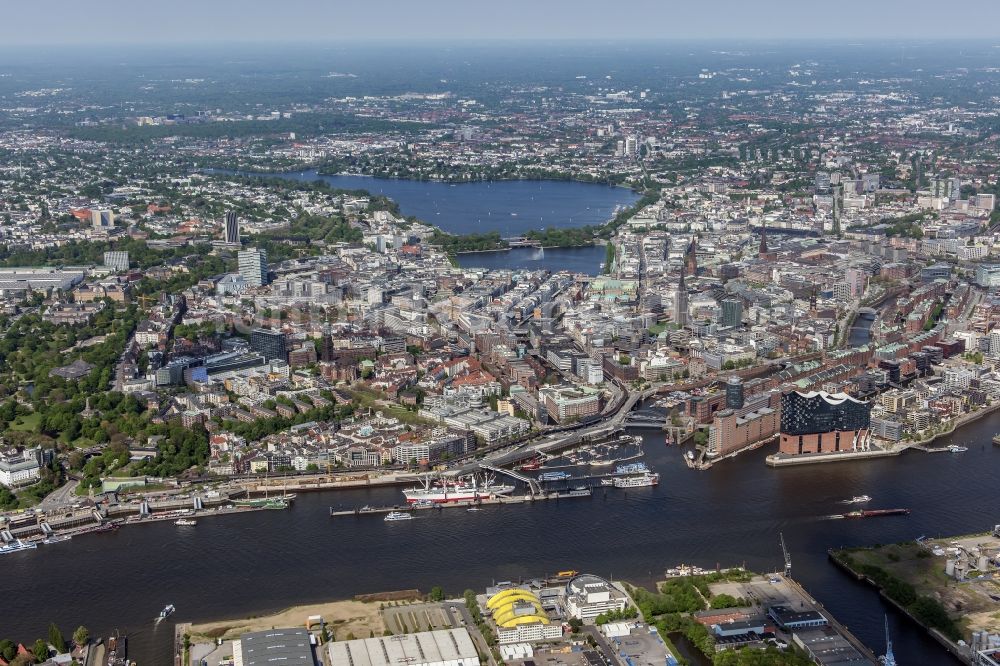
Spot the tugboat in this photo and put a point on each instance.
(118, 650)
(167, 611)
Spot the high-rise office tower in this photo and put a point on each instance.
(734, 393)
(732, 312)
(253, 266)
(270, 344)
(102, 219)
(232, 228)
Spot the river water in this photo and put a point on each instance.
(242, 565)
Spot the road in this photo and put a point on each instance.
(61, 497)
(459, 611)
(603, 428)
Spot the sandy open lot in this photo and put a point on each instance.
(342, 617)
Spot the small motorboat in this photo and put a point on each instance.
(858, 499)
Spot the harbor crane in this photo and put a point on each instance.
(788, 557)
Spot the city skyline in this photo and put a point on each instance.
(301, 20)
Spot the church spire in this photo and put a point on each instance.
(692, 256)
(763, 239)
(681, 302)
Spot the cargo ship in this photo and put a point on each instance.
(875, 513)
(464, 489)
(263, 502)
(636, 480)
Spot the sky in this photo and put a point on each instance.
(103, 23)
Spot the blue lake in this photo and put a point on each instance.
(510, 207)
(576, 259)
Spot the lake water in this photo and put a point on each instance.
(510, 207)
(586, 260)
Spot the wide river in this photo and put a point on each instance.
(510, 207)
(243, 565)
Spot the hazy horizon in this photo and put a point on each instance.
(109, 22)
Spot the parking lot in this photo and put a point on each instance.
(763, 591)
(417, 617)
(642, 648)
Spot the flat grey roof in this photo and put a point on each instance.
(277, 646)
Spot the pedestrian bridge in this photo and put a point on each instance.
(532, 484)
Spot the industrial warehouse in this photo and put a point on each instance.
(445, 647)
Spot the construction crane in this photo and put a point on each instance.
(788, 558)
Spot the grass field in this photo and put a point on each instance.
(28, 423)
(973, 604)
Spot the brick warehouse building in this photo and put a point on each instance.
(821, 422)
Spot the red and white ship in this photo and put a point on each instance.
(463, 489)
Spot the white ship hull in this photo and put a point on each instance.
(454, 494)
(639, 481)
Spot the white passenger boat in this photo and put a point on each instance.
(636, 480)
